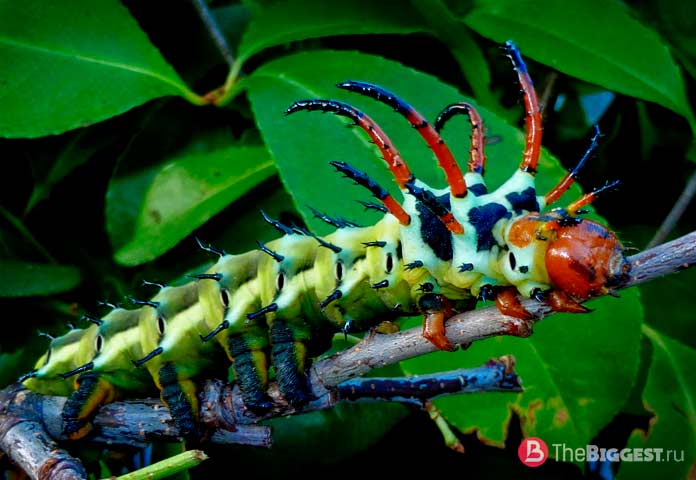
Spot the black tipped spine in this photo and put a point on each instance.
(284, 229)
(361, 178)
(335, 295)
(267, 309)
(373, 206)
(210, 249)
(274, 255)
(147, 303)
(148, 357)
(83, 368)
(413, 265)
(225, 324)
(207, 276)
(94, 320)
(428, 199)
(377, 243)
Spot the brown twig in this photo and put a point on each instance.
(675, 214)
(222, 407)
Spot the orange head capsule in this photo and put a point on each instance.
(584, 258)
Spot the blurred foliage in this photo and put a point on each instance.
(125, 134)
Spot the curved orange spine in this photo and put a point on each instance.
(477, 156)
(390, 154)
(532, 119)
(444, 156)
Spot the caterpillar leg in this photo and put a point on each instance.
(290, 359)
(92, 392)
(251, 371)
(180, 397)
(507, 302)
(561, 302)
(436, 309)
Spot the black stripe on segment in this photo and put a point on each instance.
(434, 233)
(73, 408)
(523, 201)
(466, 267)
(292, 382)
(360, 178)
(478, 189)
(247, 375)
(184, 414)
(378, 93)
(382, 284)
(267, 309)
(483, 219)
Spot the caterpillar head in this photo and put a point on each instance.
(584, 258)
(63, 355)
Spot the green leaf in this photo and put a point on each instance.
(22, 279)
(670, 393)
(459, 39)
(569, 397)
(64, 67)
(577, 372)
(77, 151)
(289, 21)
(611, 48)
(167, 201)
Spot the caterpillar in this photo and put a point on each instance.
(435, 254)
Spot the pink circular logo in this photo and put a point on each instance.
(533, 451)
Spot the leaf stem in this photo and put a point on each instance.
(675, 214)
(24, 231)
(167, 467)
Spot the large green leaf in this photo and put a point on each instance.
(578, 370)
(64, 66)
(595, 40)
(289, 21)
(167, 201)
(670, 393)
(22, 279)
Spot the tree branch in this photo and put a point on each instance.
(223, 409)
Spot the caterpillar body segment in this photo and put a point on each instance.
(434, 253)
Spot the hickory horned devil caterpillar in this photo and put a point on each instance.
(434, 254)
